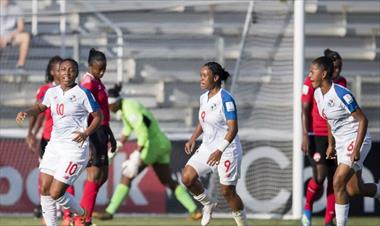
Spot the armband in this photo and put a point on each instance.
(223, 145)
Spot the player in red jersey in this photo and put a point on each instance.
(315, 143)
(35, 123)
(97, 168)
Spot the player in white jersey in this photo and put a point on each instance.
(220, 148)
(347, 134)
(66, 154)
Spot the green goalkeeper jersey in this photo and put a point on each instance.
(136, 118)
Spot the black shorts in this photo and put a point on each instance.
(43, 144)
(317, 151)
(99, 147)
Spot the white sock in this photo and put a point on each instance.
(377, 195)
(49, 210)
(68, 201)
(203, 198)
(341, 212)
(240, 217)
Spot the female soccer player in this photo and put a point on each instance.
(220, 146)
(315, 143)
(66, 153)
(97, 168)
(153, 148)
(348, 134)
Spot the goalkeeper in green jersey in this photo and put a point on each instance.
(153, 148)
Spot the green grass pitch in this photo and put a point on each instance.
(182, 221)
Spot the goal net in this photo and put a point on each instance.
(264, 93)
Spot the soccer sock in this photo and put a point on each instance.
(89, 197)
(312, 189)
(240, 217)
(341, 214)
(120, 193)
(68, 201)
(184, 198)
(66, 212)
(49, 210)
(203, 198)
(330, 204)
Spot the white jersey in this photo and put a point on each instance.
(69, 110)
(336, 106)
(213, 116)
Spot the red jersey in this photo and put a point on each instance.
(318, 124)
(99, 91)
(48, 126)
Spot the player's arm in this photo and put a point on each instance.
(362, 130)
(307, 102)
(33, 111)
(97, 116)
(228, 138)
(330, 151)
(230, 114)
(306, 119)
(111, 138)
(190, 144)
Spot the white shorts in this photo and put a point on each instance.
(228, 168)
(344, 150)
(64, 161)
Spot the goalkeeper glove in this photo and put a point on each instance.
(131, 166)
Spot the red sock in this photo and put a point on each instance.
(311, 192)
(66, 212)
(330, 205)
(89, 197)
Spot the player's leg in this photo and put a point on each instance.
(330, 198)
(23, 40)
(163, 172)
(119, 195)
(48, 168)
(317, 159)
(97, 170)
(229, 174)
(235, 203)
(342, 175)
(49, 212)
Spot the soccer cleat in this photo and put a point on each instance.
(207, 213)
(103, 216)
(306, 218)
(194, 216)
(81, 220)
(66, 221)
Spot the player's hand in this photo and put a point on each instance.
(330, 152)
(31, 142)
(21, 117)
(305, 144)
(131, 166)
(189, 146)
(355, 156)
(113, 144)
(214, 158)
(79, 137)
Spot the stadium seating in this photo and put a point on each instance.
(166, 43)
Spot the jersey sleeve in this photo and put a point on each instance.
(134, 121)
(89, 101)
(347, 99)
(229, 106)
(307, 91)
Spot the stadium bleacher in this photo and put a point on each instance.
(166, 43)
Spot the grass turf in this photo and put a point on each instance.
(181, 221)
